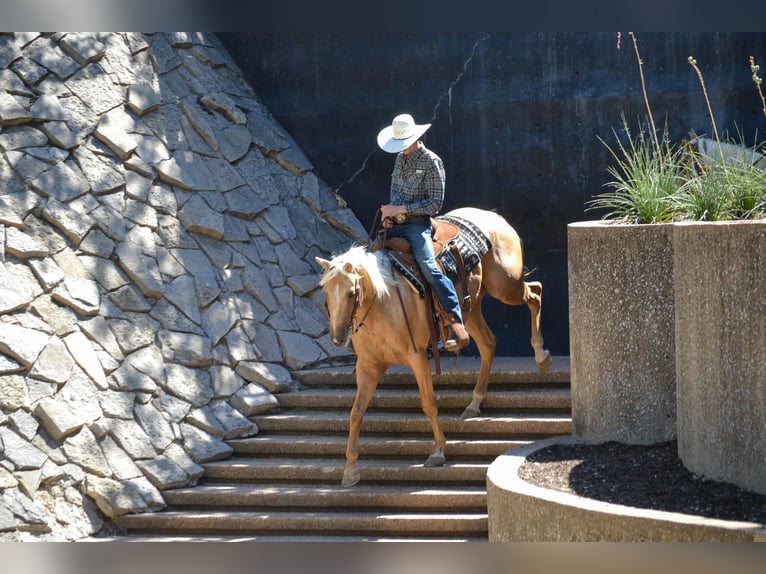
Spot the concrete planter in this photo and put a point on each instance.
(720, 292)
(622, 336)
(522, 512)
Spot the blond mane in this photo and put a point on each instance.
(361, 262)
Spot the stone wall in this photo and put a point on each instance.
(157, 235)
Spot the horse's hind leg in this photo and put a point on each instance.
(486, 342)
(422, 371)
(367, 377)
(533, 293)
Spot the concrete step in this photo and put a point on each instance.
(400, 398)
(518, 425)
(386, 446)
(465, 498)
(284, 484)
(505, 370)
(330, 471)
(293, 524)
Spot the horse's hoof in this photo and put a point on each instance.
(545, 365)
(470, 413)
(437, 459)
(350, 477)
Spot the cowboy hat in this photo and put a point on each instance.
(401, 134)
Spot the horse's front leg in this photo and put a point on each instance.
(367, 377)
(422, 370)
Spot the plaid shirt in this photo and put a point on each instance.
(417, 182)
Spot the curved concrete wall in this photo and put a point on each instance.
(622, 338)
(720, 284)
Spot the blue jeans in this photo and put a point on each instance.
(418, 234)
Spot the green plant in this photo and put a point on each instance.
(645, 179)
(658, 182)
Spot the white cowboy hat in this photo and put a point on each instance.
(401, 134)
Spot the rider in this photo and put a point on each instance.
(417, 194)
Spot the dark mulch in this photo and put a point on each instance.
(651, 477)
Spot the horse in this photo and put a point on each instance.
(387, 321)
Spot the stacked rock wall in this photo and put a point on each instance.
(157, 286)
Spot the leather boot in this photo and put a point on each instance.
(457, 336)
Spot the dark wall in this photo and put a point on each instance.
(516, 119)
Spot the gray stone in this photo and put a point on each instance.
(234, 142)
(103, 174)
(271, 375)
(152, 150)
(132, 438)
(164, 473)
(299, 350)
(224, 105)
(186, 170)
(143, 270)
(225, 380)
(22, 344)
(155, 425)
(98, 244)
(24, 424)
(200, 123)
(85, 47)
(253, 399)
(112, 131)
(191, 385)
(197, 217)
(143, 98)
(117, 404)
(8, 365)
(84, 354)
(128, 378)
(60, 135)
(47, 107)
(186, 348)
(73, 224)
(202, 447)
(132, 334)
(13, 392)
(204, 419)
(218, 320)
(244, 202)
(54, 364)
(234, 423)
(97, 329)
(22, 453)
(123, 467)
(48, 54)
(181, 292)
(82, 295)
(81, 395)
(13, 295)
(64, 181)
(58, 418)
(115, 498)
(178, 455)
(31, 512)
(21, 137)
(11, 113)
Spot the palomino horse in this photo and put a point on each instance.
(360, 290)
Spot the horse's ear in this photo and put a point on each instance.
(323, 263)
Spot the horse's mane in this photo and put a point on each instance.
(362, 262)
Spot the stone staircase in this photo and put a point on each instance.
(284, 483)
